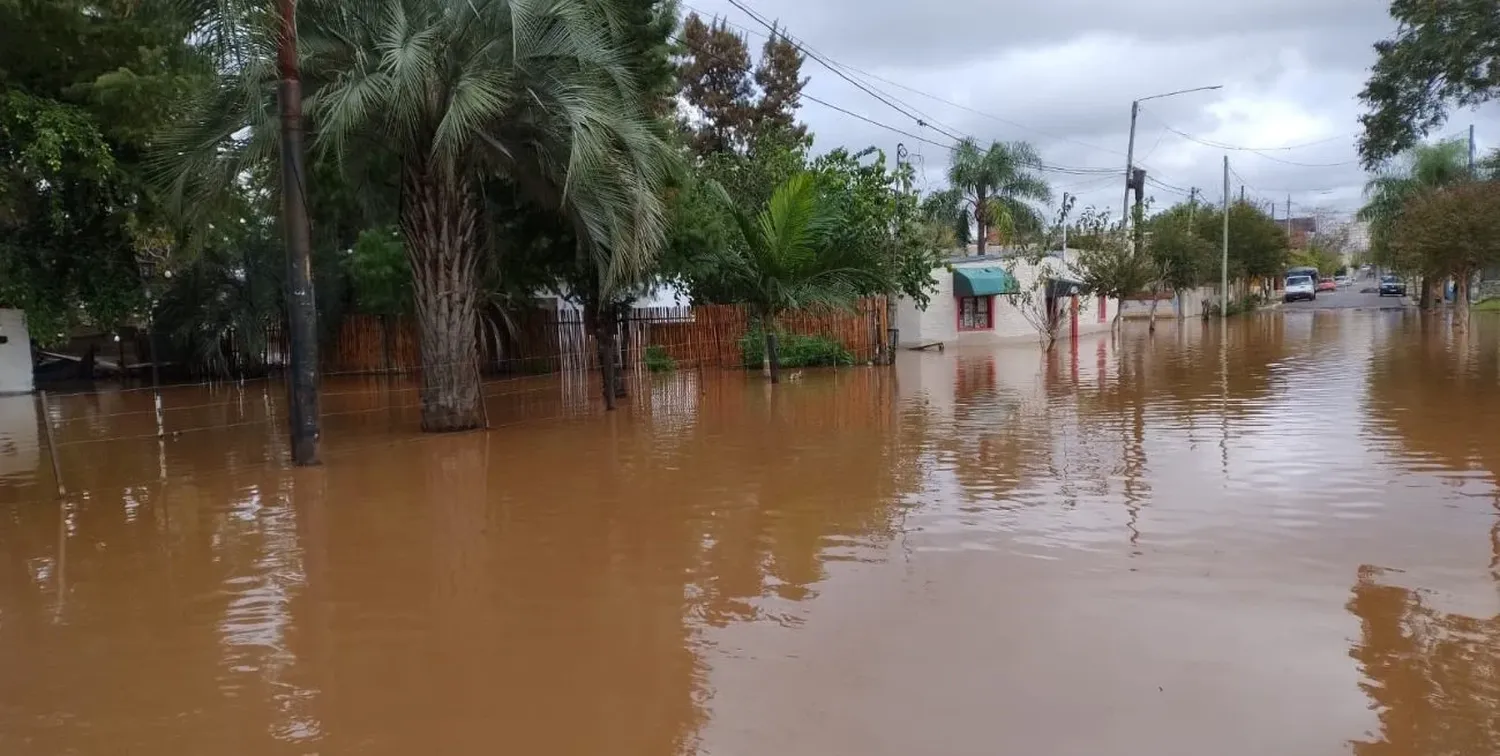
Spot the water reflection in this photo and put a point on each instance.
(1148, 533)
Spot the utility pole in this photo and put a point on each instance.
(1289, 221)
(1242, 192)
(1471, 149)
(892, 334)
(1065, 230)
(1135, 110)
(1192, 205)
(302, 311)
(1224, 260)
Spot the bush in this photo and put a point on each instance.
(657, 360)
(796, 351)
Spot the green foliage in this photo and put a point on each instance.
(795, 351)
(1443, 53)
(1454, 230)
(1324, 260)
(379, 274)
(735, 108)
(1112, 269)
(1257, 246)
(657, 360)
(1184, 258)
(1421, 169)
(998, 186)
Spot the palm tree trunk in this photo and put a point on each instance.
(772, 355)
(981, 217)
(604, 347)
(621, 325)
(439, 218)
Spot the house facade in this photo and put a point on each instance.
(15, 353)
(986, 299)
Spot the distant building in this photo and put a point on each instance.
(1301, 229)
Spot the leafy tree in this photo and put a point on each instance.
(779, 78)
(1113, 269)
(714, 78)
(462, 91)
(1443, 53)
(1257, 246)
(944, 209)
(82, 87)
(998, 184)
(380, 279)
(1417, 171)
(1456, 230)
(787, 260)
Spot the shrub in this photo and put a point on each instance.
(797, 351)
(657, 360)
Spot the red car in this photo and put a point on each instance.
(1327, 284)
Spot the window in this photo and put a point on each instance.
(975, 313)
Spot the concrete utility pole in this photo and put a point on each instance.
(302, 310)
(1471, 149)
(1065, 231)
(1289, 221)
(1242, 192)
(1192, 205)
(892, 334)
(1135, 110)
(1224, 260)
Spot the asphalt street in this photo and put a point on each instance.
(1351, 299)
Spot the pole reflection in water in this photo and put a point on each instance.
(986, 548)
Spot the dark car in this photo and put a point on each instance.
(1391, 286)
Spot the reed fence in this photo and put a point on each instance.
(543, 341)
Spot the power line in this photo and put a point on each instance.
(1241, 148)
(936, 98)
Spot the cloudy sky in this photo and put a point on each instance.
(1061, 74)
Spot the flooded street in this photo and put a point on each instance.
(1282, 542)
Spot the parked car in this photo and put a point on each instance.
(1327, 284)
(1300, 287)
(1343, 281)
(1391, 286)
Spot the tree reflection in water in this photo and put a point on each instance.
(1433, 676)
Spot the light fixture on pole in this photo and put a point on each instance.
(1135, 109)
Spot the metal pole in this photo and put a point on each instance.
(302, 312)
(1289, 221)
(51, 444)
(1224, 261)
(1135, 110)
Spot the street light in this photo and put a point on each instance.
(1135, 109)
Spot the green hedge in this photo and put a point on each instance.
(796, 351)
(658, 361)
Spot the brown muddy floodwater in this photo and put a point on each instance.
(1283, 542)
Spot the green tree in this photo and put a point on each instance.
(1443, 53)
(1113, 269)
(1455, 230)
(1417, 171)
(1183, 259)
(714, 78)
(462, 91)
(380, 280)
(787, 262)
(1257, 246)
(998, 185)
(83, 86)
(779, 78)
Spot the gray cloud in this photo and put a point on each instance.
(1061, 74)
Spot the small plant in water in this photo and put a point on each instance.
(658, 361)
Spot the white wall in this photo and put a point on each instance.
(939, 322)
(15, 353)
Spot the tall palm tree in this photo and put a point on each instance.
(787, 261)
(999, 184)
(1422, 168)
(542, 95)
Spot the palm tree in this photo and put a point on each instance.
(787, 263)
(1424, 167)
(998, 184)
(542, 95)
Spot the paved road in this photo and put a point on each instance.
(1350, 298)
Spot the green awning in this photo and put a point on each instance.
(982, 282)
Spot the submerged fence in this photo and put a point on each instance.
(542, 341)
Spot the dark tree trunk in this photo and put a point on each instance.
(439, 217)
(604, 348)
(620, 325)
(1461, 300)
(1425, 299)
(772, 355)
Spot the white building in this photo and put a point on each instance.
(15, 353)
(987, 300)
